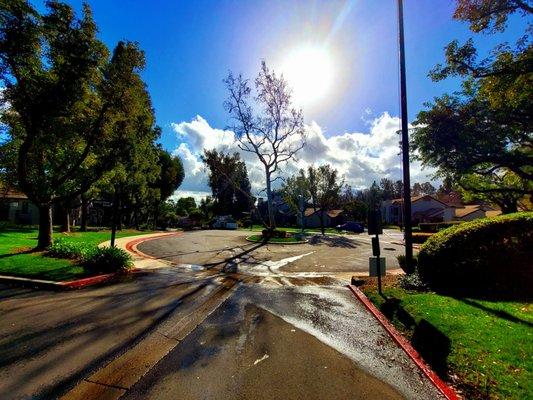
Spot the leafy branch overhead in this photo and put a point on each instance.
(481, 137)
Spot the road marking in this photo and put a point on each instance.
(261, 359)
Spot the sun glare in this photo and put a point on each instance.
(309, 72)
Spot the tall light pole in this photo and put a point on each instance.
(405, 145)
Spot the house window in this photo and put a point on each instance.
(25, 207)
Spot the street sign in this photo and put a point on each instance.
(375, 246)
(374, 223)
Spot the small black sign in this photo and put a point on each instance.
(374, 223)
(375, 246)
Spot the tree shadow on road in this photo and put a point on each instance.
(127, 308)
(227, 262)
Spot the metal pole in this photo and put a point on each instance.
(405, 144)
(378, 264)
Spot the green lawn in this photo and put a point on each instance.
(487, 345)
(17, 259)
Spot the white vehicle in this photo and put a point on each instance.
(224, 222)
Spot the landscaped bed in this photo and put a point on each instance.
(483, 347)
(285, 240)
(18, 259)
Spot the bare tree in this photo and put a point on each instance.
(267, 124)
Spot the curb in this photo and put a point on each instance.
(131, 246)
(61, 285)
(442, 387)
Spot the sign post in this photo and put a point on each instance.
(374, 228)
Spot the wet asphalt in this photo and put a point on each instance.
(297, 342)
(291, 329)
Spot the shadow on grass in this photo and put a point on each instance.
(26, 251)
(498, 313)
(428, 341)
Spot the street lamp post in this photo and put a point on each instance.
(405, 144)
(302, 212)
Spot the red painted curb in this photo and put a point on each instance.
(131, 246)
(92, 280)
(446, 390)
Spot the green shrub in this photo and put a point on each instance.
(485, 255)
(402, 261)
(274, 233)
(107, 260)
(428, 226)
(62, 248)
(421, 237)
(436, 226)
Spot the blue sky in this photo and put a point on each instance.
(191, 45)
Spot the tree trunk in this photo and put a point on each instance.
(119, 216)
(65, 219)
(84, 210)
(114, 218)
(322, 221)
(271, 220)
(45, 226)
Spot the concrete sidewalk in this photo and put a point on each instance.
(140, 260)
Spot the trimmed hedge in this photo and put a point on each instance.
(484, 255)
(421, 237)
(437, 226)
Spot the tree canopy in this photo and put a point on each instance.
(69, 107)
(481, 136)
(229, 183)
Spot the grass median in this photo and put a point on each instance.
(17, 257)
(483, 347)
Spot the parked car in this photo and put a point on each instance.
(349, 226)
(224, 222)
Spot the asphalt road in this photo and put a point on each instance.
(49, 340)
(288, 329)
(330, 254)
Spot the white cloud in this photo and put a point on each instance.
(360, 157)
(197, 195)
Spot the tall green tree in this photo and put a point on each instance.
(353, 204)
(228, 179)
(324, 187)
(69, 108)
(185, 205)
(170, 177)
(387, 188)
(481, 137)
(295, 192)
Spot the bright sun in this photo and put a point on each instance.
(309, 72)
